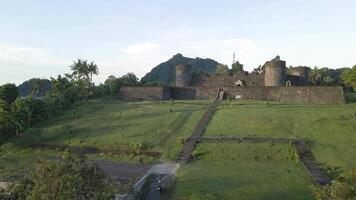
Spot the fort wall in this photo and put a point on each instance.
(144, 93)
(306, 95)
(225, 80)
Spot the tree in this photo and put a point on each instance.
(7, 127)
(129, 79)
(114, 84)
(237, 67)
(221, 69)
(80, 69)
(69, 178)
(92, 69)
(349, 77)
(259, 69)
(8, 92)
(37, 86)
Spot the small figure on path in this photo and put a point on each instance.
(159, 185)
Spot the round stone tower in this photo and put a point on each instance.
(303, 73)
(183, 75)
(275, 72)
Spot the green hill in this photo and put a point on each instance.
(164, 72)
(26, 87)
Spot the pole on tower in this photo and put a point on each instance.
(233, 58)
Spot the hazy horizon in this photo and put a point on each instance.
(42, 38)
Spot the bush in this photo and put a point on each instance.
(343, 188)
(69, 178)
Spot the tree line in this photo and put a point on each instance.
(17, 113)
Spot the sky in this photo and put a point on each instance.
(42, 38)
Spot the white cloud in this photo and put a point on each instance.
(29, 55)
(141, 48)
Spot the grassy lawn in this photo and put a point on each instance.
(329, 129)
(243, 171)
(116, 124)
(16, 161)
(107, 124)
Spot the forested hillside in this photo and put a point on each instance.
(163, 74)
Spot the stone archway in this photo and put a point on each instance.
(288, 83)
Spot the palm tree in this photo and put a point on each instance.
(92, 69)
(37, 86)
(80, 68)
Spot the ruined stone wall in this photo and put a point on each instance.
(303, 74)
(226, 80)
(183, 93)
(295, 80)
(144, 93)
(305, 95)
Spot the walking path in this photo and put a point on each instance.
(189, 144)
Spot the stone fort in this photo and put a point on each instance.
(273, 84)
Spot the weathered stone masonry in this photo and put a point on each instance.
(271, 85)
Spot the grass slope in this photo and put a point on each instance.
(115, 124)
(107, 124)
(329, 129)
(243, 171)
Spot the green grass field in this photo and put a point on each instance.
(107, 124)
(329, 129)
(224, 170)
(243, 171)
(115, 124)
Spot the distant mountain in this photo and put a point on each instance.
(26, 87)
(164, 73)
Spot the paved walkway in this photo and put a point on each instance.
(122, 172)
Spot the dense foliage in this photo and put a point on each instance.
(164, 73)
(237, 67)
(20, 113)
(68, 178)
(221, 69)
(326, 76)
(113, 84)
(343, 188)
(349, 77)
(8, 92)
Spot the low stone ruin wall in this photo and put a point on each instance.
(144, 93)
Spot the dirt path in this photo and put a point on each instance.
(122, 172)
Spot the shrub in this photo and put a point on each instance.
(343, 188)
(69, 178)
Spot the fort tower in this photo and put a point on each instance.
(183, 75)
(303, 73)
(275, 72)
